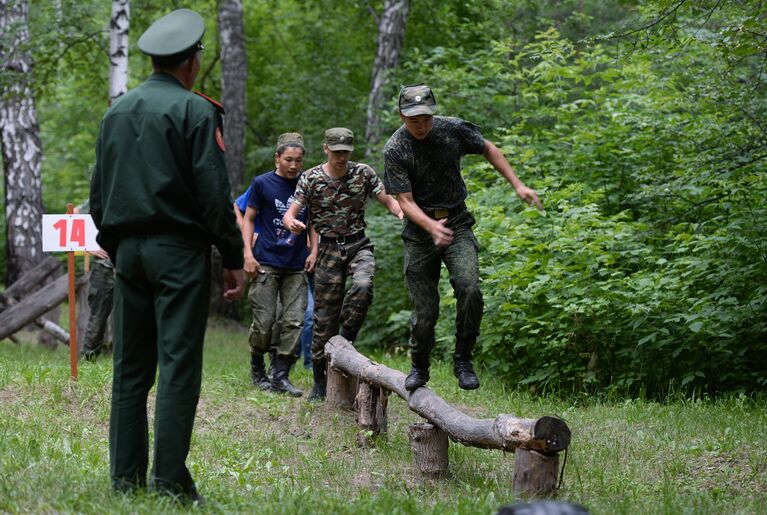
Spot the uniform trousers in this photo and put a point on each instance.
(289, 287)
(334, 305)
(423, 262)
(162, 293)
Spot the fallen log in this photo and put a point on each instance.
(31, 279)
(548, 435)
(30, 308)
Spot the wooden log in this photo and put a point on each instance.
(428, 444)
(341, 389)
(372, 418)
(535, 474)
(33, 306)
(55, 330)
(546, 434)
(31, 279)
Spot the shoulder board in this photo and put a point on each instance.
(218, 105)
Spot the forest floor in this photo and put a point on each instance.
(258, 452)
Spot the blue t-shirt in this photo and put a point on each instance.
(271, 195)
(242, 205)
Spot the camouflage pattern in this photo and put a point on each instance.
(422, 268)
(289, 288)
(416, 99)
(332, 306)
(431, 168)
(100, 295)
(337, 206)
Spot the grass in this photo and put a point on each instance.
(255, 452)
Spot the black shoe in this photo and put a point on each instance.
(467, 379)
(319, 390)
(283, 385)
(280, 381)
(417, 378)
(90, 356)
(257, 374)
(318, 393)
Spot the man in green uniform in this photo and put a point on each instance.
(422, 163)
(160, 197)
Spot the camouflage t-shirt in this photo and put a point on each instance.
(337, 206)
(431, 168)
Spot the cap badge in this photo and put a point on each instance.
(418, 98)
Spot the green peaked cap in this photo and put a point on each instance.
(175, 33)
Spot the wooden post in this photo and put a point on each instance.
(535, 473)
(371, 412)
(429, 446)
(72, 307)
(341, 389)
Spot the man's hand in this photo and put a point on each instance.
(234, 284)
(311, 260)
(529, 195)
(441, 236)
(101, 253)
(252, 266)
(296, 226)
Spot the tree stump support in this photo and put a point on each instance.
(535, 474)
(372, 418)
(429, 446)
(539, 439)
(341, 389)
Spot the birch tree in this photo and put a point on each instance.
(233, 79)
(118, 48)
(391, 35)
(21, 149)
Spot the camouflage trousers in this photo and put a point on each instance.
(423, 262)
(100, 295)
(334, 305)
(289, 288)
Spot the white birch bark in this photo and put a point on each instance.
(118, 48)
(20, 142)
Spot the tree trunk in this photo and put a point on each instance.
(21, 149)
(429, 445)
(535, 474)
(341, 389)
(118, 48)
(391, 34)
(233, 78)
(546, 434)
(372, 418)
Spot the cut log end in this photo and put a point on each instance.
(553, 432)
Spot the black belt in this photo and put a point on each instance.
(439, 214)
(343, 240)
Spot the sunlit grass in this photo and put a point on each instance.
(254, 452)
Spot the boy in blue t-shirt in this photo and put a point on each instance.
(276, 265)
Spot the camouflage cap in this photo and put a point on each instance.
(293, 139)
(417, 99)
(339, 138)
(177, 33)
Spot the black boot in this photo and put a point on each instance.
(272, 361)
(257, 374)
(319, 390)
(464, 371)
(419, 374)
(280, 381)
